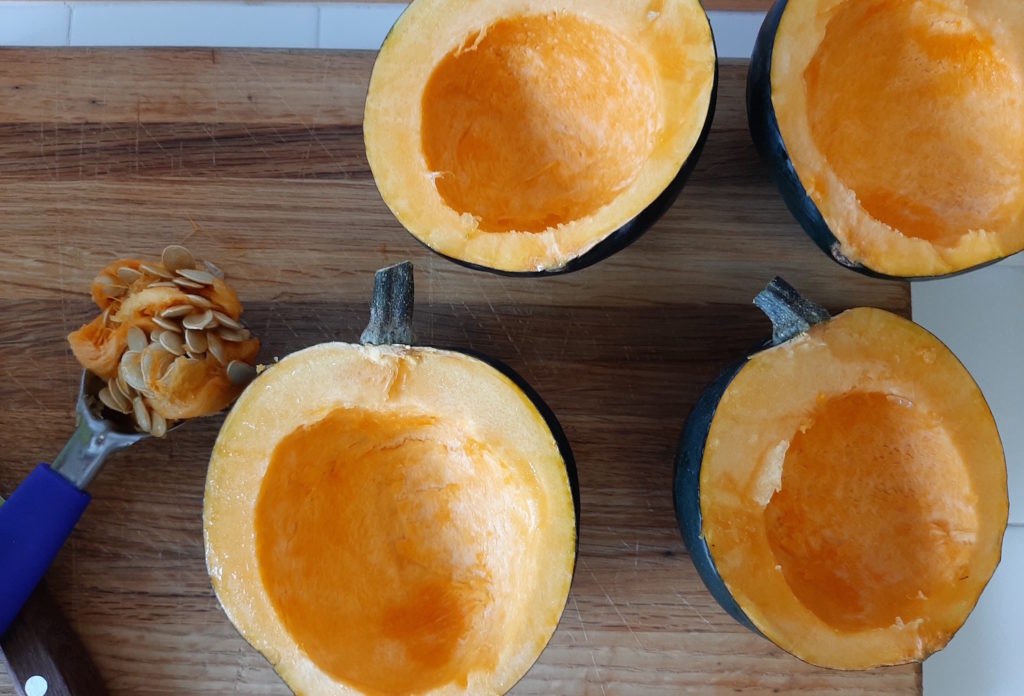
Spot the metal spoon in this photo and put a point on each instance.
(39, 516)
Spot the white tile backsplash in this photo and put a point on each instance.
(980, 316)
(735, 32)
(984, 657)
(252, 24)
(357, 25)
(266, 25)
(34, 23)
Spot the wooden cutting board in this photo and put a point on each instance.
(255, 160)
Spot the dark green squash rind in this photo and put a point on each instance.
(764, 130)
(564, 450)
(686, 492)
(791, 314)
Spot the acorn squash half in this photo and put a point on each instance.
(843, 492)
(895, 128)
(538, 136)
(392, 519)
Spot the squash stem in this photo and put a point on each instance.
(791, 314)
(391, 307)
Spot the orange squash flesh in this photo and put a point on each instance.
(401, 492)
(931, 152)
(523, 153)
(853, 492)
(904, 120)
(389, 520)
(846, 524)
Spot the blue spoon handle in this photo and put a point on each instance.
(34, 522)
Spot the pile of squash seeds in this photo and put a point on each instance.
(194, 329)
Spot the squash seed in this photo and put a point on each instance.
(137, 339)
(198, 320)
(176, 256)
(176, 311)
(224, 320)
(113, 290)
(199, 301)
(187, 284)
(113, 402)
(123, 386)
(167, 324)
(119, 393)
(195, 341)
(215, 347)
(158, 426)
(213, 269)
(141, 415)
(163, 284)
(233, 335)
(158, 271)
(196, 276)
(172, 342)
(146, 363)
(109, 285)
(105, 279)
(240, 373)
(130, 370)
(160, 361)
(194, 355)
(128, 275)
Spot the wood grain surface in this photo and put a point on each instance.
(255, 160)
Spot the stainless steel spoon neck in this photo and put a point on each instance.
(86, 450)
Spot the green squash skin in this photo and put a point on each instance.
(686, 492)
(634, 228)
(791, 315)
(764, 130)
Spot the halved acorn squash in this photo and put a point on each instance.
(390, 519)
(535, 136)
(895, 128)
(843, 492)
